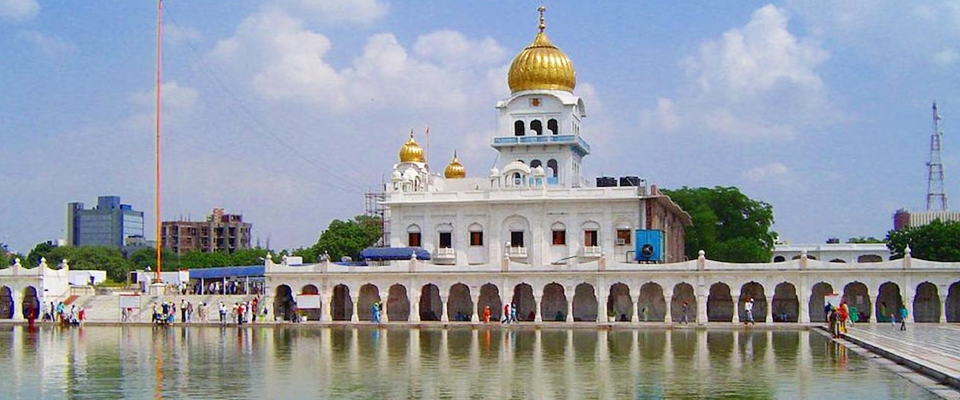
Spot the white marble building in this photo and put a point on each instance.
(534, 233)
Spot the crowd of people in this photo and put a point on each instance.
(57, 312)
(165, 313)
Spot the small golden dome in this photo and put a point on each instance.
(411, 151)
(541, 65)
(455, 170)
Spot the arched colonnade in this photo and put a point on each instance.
(619, 301)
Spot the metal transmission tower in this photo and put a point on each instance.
(936, 198)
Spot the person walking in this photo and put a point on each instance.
(506, 313)
(748, 307)
(486, 314)
(843, 317)
(683, 312)
(375, 311)
(513, 313)
(903, 317)
(223, 313)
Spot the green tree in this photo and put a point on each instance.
(347, 238)
(865, 240)
(245, 257)
(727, 225)
(936, 241)
(147, 257)
(103, 258)
(41, 250)
(6, 257)
(199, 259)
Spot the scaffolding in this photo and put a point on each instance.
(373, 206)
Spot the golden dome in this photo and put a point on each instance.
(541, 65)
(411, 151)
(455, 170)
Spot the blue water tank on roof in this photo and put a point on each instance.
(649, 245)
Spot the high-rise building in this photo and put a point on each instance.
(110, 223)
(220, 232)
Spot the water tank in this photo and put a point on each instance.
(606, 181)
(629, 181)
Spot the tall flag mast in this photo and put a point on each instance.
(936, 197)
(157, 189)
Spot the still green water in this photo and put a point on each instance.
(398, 363)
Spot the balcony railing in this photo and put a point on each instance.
(517, 252)
(445, 253)
(541, 139)
(592, 251)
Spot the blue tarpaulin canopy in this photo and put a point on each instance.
(251, 271)
(393, 253)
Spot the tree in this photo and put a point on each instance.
(41, 250)
(727, 225)
(199, 259)
(865, 240)
(103, 258)
(936, 241)
(147, 257)
(347, 238)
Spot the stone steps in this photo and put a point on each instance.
(106, 308)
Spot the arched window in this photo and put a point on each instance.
(517, 179)
(552, 168)
(552, 126)
(559, 231)
(535, 163)
(413, 236)
(518, 128)
(476, 234)
(537, 127)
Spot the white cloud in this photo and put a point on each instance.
(332, 11)
(177, 103)
(663, 118)
(771, 171)
(758, 81)
(946, 57)
(286, 61)
(19, 10)
(50, 46)
(452, 48)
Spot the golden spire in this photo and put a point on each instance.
(541, 65)
(455, 170)
(411, 151)
(543, 24)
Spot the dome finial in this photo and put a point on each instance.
(543, 24)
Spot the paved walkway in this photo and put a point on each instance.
(931, 349)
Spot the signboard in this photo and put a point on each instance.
(129, 301)
(307, 301)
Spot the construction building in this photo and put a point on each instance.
(220, 232)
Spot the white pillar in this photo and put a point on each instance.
(874, 318)
(736, 306)
(356, 315)
(475, 317)
(804, 299)
(326, 310)
(668, 300)
(769, 293)
(444, 317)
(537, 317)
(570, 294)
(702, 308)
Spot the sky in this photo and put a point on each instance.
(287, 111)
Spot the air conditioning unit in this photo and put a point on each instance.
(649, 245)
(621, 242)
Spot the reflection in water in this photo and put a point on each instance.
(344, 362)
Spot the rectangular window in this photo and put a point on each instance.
(446, 240)
(476, 238)
(413, 239)
(559, 237)
(623, 236)
(516, 239)
(590, 238)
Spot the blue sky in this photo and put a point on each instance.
(288, 110)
